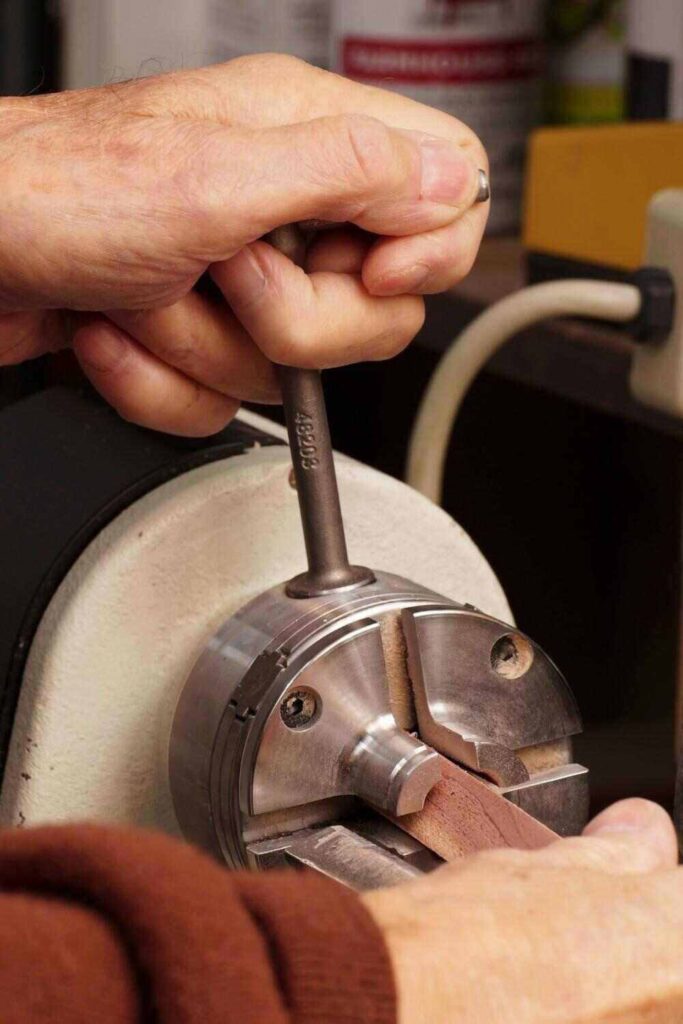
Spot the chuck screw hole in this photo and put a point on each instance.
(300, 708)
(512, 656)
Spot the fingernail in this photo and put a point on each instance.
(642, 818)
(625, 816)
(410, 278)
(106, 351)
(448, 174)
(246, 281)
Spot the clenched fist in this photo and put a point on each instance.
(116, 200)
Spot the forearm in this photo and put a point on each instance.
(124, 921)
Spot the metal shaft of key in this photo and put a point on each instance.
(314, 473)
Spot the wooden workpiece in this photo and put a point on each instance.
(463, 815)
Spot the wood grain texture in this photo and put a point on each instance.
(463, 815)
(401, 700)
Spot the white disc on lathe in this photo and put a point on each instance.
(124, 628)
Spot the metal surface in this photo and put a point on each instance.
(239, 683)
(364, 853)
(484, 189)
(483, 690)
(558, 797)
(313, 461)
(387, 835)
(286, 717)
(354, 747)
(349, 858)
(316, 484)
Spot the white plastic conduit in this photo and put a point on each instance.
(472, 349)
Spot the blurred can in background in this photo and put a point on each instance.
(109, 40)
(480, 60)
(654, 78)
(586, 61)
(112, 40)
(299, 27)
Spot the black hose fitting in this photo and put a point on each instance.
(658, 293)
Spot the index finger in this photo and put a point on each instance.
(249, 92)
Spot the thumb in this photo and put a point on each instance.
(631, 837)
(350, 167)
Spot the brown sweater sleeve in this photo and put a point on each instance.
(111, 926)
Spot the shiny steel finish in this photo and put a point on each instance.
(239, 680)
(363, 853)
(285, 721)
(472, 708)
(341, 854)
(558, 797)
(484, 189)
(355, 747)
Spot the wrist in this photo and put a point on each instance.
(17, 115)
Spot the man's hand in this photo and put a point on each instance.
(116, 200)
(587, 930)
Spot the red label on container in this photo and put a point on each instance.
(426, 62)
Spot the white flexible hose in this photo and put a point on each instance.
(472, 349)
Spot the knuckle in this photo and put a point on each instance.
(366, 152)
(277, 65)
(290, 345)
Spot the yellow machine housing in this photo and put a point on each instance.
(588, 188)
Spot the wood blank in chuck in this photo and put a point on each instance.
(463, 815)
